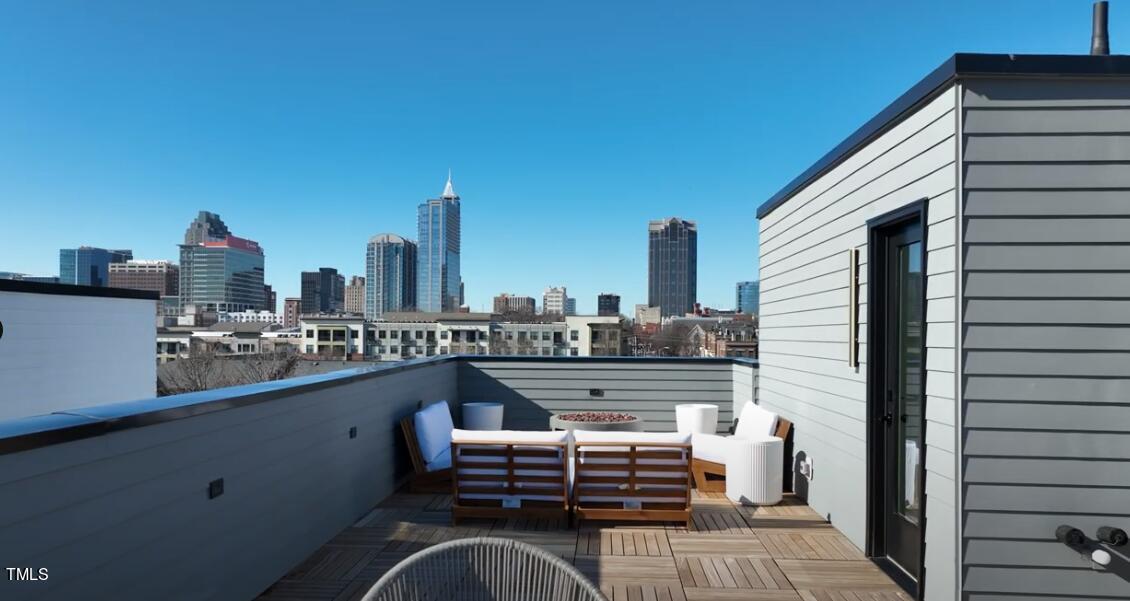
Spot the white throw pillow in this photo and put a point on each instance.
(433, 430)
(755, 422)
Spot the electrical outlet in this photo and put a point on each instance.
(806, 468)
(215, 488)
(353, 432)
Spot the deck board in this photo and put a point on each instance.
(785, 552)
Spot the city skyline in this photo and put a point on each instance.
(578, 134)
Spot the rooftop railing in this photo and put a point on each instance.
(217, 494)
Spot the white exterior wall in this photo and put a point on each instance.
(61, 352)
(804, 373)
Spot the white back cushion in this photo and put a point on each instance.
(433, 430)
(755, 422)
(631, 437)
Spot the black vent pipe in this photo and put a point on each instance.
(1100, 39)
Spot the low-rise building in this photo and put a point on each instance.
(251, 317)
(333, 336)
(512, 303)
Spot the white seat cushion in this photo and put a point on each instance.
(755, 422)
(433, 430)
(711, 447)
(442, 462)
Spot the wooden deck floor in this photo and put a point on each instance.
(785, 552)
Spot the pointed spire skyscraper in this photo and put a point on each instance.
(437, 258)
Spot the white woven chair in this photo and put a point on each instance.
(484, 568)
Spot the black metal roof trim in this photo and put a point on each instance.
(23, 434)
(957, 66)
(75, 290)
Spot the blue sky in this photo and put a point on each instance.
(311, 126)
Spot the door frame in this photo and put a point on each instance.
(875, 549)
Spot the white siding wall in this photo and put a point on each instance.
(804, 373)
(62, 352)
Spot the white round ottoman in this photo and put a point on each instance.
(482, 416)
(696, 418)
(754, 470)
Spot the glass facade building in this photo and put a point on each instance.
(89, 266)
(747, 295)
(323, 291)
(390, 275)
(223, 275)
(672, 266)
(438, 278)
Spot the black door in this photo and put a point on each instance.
(898, 393)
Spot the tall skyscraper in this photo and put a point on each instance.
(162, 277)
(323, 291)
(222, 275)
(437, 271)
(608, 304)
(390, 275)
(207, 227)
(556, 300)
(89, 266)
(672, 265)
(355, 295)
(747, 297)
(292, 309)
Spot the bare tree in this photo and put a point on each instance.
(206, 369)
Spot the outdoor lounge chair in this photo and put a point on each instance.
(428, 435)
(712, 451)
(484, 568)
(638, 476)
(509, 473)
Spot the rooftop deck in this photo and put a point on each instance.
(779, 553)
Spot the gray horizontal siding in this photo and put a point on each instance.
(1046, 334)
(126, 515)
(532, 391)
(804, 373)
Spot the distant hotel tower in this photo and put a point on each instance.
(219, 271)
(390, 275)
(672, 265)
(437, 272)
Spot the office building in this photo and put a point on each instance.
(355, 295)
(608, 304)
(207, 227)
(746, 297)
(390, 275)
(160, 276)
(512, 303)
(89, 266)
(323, 291)
(292, 309)
(672, 265)
(269, 298)
(555, 301)
(437, 272)
(222, 275)
(570, 306)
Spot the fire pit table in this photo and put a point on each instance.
(596, 421)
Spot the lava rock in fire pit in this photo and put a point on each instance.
(599, 421)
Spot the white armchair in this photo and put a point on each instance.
(748, 465)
